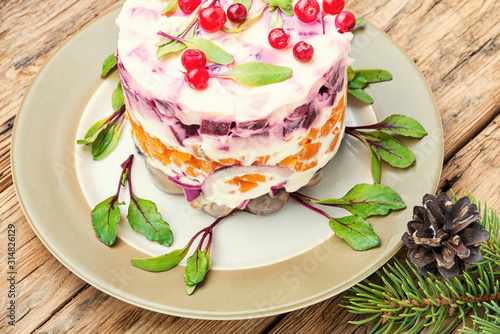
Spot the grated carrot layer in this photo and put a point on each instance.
(195, 165)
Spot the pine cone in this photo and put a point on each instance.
(443, 236)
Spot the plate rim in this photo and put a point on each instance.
(212, 315)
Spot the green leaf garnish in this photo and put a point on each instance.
(107, 139)
(104, 134)
(144, 217)
(350, 73)
(359, 79)
(246, 3)
(117, 100)
(284, 5)
(363, 200)
(391, 150)
(105, 218)
(108, 65)
(93, 132)
(170, 48)
(361, 95)
(175, 45)
(171, 4)
(401, 125)
(386, 146)
(106, 215)
(186, 28)
(279, 3)
(162, 262)
(276, 21)
(375, 163)
(356, 231)
(375, 75)
(213, 52)
(359, 20)
(366, 200)
(197, 265)
(143, 214)
(196, 269)
(288, 11)
(257, 74)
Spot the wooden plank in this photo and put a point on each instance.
(31, 31)
(456, 45)
(105, 314)
(43, 286)
(476, 168)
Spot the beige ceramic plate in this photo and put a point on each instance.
(46, 183)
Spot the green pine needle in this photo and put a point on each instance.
(406, 302)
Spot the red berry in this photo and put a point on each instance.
(237, 13)
(333, 7)
(212, 18)
(345, 21)
(197, 78)
(306, 10)
(188, 6)
(193, 59)
(278, 38)
(303, 52)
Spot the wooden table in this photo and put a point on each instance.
(455, 43)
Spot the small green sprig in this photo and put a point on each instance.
(198, 264)
(489, 324)
(213, 52)
(185, 30)
(143, 214)
(385, 146)
(108, 65)
(103, 135)
(359, 79)
(256, 74)
(363, 201)
(284, 5)
(406, 302)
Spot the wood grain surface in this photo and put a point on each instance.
(455, 44)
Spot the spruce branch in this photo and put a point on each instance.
(490, 324)
(406, 302)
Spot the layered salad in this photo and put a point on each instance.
(244, 132)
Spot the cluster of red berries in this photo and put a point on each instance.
(213, 18)
(194, 62)
(307, 11)
(278, 38)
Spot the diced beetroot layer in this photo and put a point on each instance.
(216, 128)
(302, 117)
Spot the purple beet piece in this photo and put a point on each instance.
(153, 106)
(302, 117)
(326, 94)
(165, 107)
(216, 128)
(183, 131)
(335, 78)
(191, 194)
